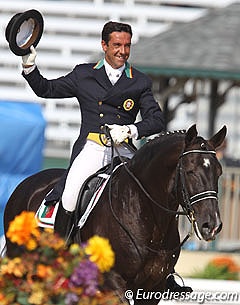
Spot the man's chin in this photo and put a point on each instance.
(120, 63)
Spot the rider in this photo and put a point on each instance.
(110, 92)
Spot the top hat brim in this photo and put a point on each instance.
(23, 31)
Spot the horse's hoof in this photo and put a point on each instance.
(185, 289)
(173, 286)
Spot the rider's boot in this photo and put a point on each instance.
(64, 223)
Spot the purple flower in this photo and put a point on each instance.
(86, 276)
(71, 299)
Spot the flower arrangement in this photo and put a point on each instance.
(48, 273)
(222, 268)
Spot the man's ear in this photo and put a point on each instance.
(104, 46)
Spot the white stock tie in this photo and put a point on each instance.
(113, 77)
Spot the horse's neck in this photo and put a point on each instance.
(161, 165)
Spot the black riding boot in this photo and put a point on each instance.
(64, 223)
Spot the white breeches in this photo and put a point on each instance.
(92, 157)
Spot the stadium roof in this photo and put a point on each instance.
(208, 47)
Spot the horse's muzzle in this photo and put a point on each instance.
(209, 231)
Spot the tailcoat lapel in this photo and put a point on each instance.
(102, 78)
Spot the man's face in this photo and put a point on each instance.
(117, 50)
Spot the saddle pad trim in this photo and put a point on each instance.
(46, 215)
(95, 198)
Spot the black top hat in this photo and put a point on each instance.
(23, 31)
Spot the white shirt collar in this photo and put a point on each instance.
(110, 71)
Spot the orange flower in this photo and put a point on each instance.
(44, 271)
(225, 262)
(24, 230)
(1, 297)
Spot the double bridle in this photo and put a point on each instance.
(188, 201)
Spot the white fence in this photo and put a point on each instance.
(230, 204)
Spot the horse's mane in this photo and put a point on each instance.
(155, 145)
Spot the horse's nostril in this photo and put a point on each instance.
(206, 231)
(205, 226)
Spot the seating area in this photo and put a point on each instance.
(72, 36)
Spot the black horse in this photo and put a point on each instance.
(138, 208)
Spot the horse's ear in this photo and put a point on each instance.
(218, 138)
(191, 134)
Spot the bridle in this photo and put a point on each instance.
(188, 201)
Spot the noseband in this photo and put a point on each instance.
(188, 201)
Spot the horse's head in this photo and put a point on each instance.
(199, 171)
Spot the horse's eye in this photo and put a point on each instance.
(203, 146)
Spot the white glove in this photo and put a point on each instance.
(119, 133)
(29, 59)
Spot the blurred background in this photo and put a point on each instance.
(189, 48)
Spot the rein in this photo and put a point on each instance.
(187, 200)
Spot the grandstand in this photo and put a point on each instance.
(72, 36)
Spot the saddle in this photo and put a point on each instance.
(90, 187)
(88, 197)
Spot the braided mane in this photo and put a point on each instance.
(154, 146)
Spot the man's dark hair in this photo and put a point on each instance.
(111, 26)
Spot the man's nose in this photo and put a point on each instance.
(122, 50)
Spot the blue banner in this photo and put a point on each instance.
(22, 127)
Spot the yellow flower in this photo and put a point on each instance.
(24, 229)
(74, 249)
(14, 266)
(100, 252)
(36, 297)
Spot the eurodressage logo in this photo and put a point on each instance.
(199, 297)
(146, 295)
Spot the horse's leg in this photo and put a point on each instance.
(115, 282)
(175, 244)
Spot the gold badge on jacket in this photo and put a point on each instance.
(128, 104)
